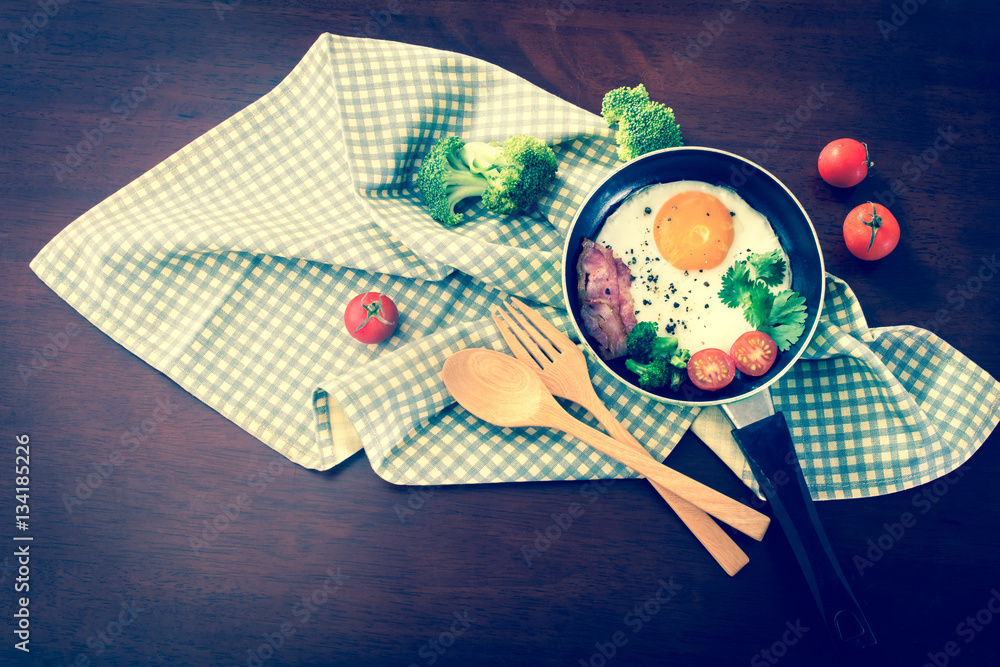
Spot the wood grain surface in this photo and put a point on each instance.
(343, 568)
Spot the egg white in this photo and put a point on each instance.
(686, 303)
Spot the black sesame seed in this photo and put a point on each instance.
(648, 210)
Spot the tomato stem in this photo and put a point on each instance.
(868, 158)
(874, 223)
(374, 309)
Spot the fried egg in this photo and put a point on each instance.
(678, 240)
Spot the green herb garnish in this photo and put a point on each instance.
(769, 268)
(747, 284)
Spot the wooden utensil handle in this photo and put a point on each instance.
(718, 543)
(767, 444)
(725, 509)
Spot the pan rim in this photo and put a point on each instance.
(807, 335)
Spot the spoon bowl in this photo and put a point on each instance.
(495, 387)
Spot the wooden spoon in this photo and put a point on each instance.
(504, 391)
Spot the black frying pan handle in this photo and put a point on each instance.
(767, 444)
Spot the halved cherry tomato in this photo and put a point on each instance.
(711, 369)
(371, 317)
(871, 231)
(754, 353)
(844, 163)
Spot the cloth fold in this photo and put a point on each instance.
(228, 266)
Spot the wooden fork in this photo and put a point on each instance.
(562, 367)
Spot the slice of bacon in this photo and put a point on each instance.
(606, 306)
(626, 307)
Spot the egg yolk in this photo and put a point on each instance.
(693, 230)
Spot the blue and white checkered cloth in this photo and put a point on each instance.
(228, 267)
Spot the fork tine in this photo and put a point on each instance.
(537, 347)
(541, 341)
(512, 340)
(552, 333)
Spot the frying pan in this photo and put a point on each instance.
(762, 434)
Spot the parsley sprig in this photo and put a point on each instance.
(747, 285)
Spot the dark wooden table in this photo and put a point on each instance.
(320, 568)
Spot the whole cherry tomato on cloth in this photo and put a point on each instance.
(754, 353)
(844, 163)
(871, 231)
(711, 369)
(371, 317)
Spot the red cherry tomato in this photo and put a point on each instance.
(871, 231)
(754, 353)
(711, 369)
(844, 163)
(371, 317)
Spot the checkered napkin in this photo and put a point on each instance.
(228, 267)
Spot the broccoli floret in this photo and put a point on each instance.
(651, 129)
(659, 373)
(643, 125)
(622, 103)
(645, 342)
(654, 358)
(509, 178)
(444, 180)
(680, 359)
(520, 174)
